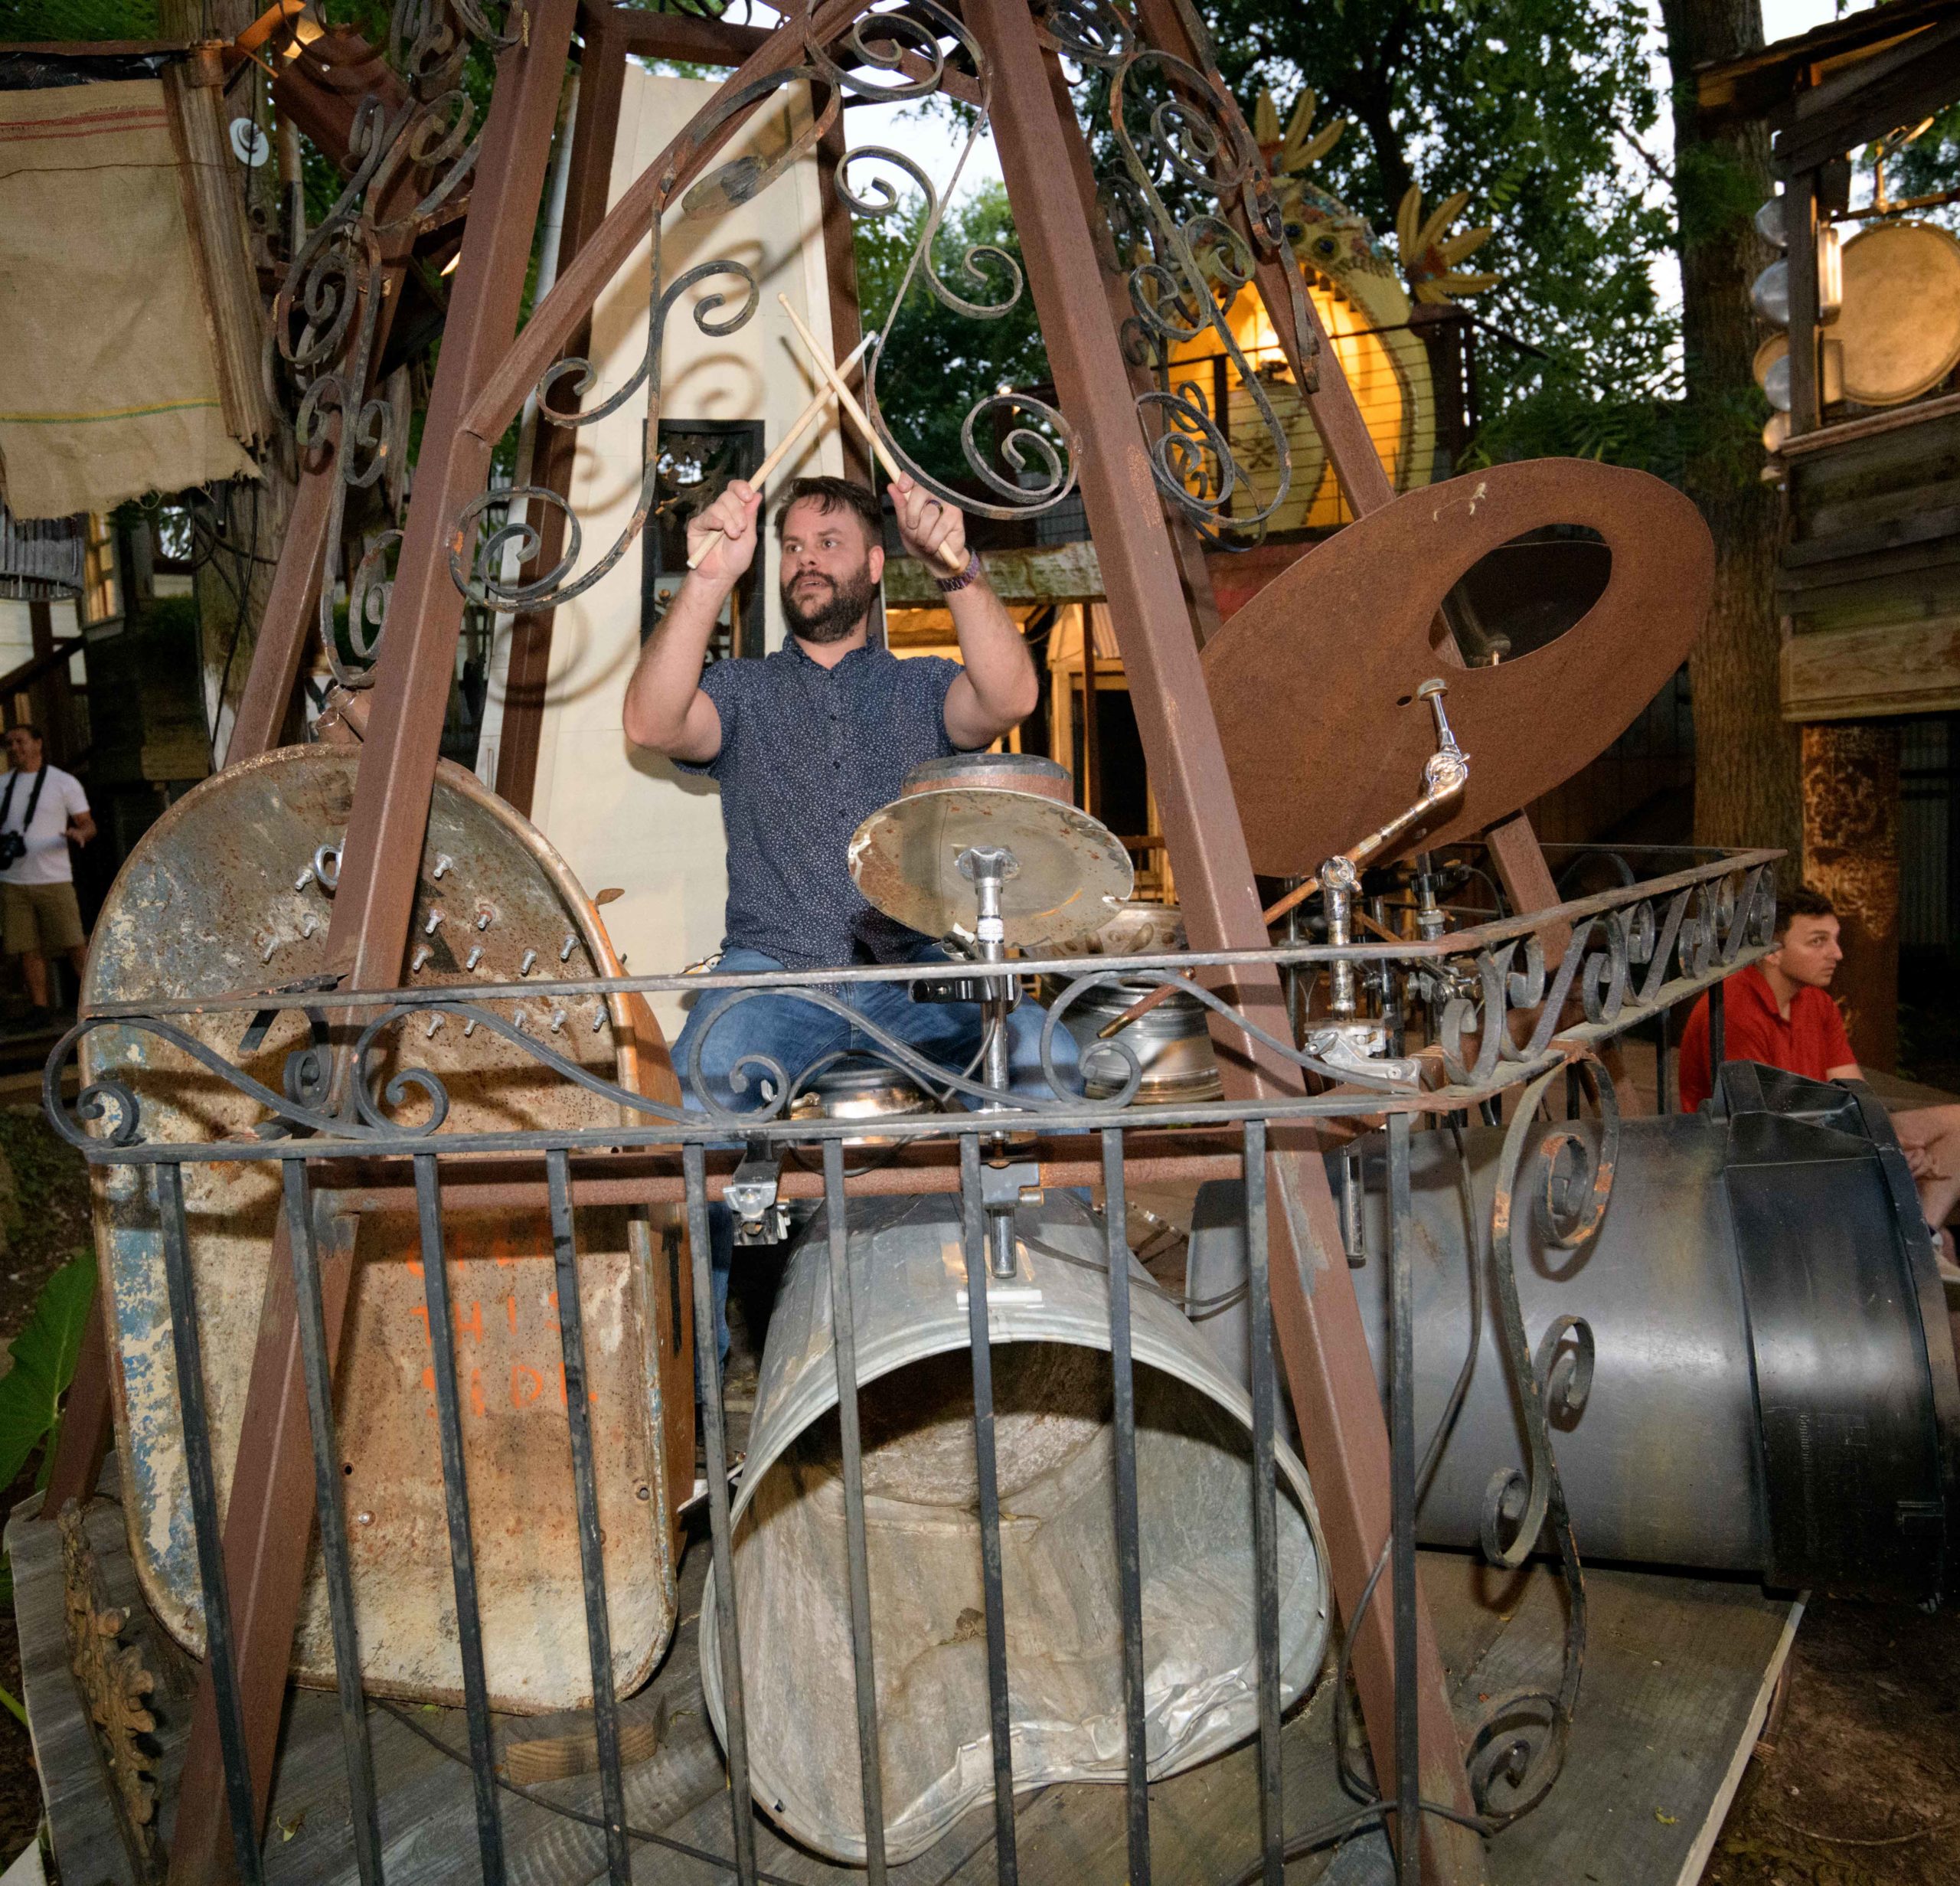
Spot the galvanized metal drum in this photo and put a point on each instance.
(225, 892)
(1770, 1383)
(1050, 1336)
(1171, 1043)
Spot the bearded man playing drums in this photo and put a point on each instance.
(806, 745)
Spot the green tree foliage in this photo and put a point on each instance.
(43, 1364)
(74, 21)
(1523, 103)
(939, 363)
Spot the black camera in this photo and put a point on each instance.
(13, 848)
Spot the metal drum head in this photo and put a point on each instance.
(1070, 872)
(1900, 324)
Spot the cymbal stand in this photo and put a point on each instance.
(988, 867)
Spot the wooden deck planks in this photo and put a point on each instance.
(1677, 1671)
(1673, 1686)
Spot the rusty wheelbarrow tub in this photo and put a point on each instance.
(230, 889)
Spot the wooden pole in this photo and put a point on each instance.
(595, 131)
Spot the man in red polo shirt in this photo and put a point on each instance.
(1778, 1012)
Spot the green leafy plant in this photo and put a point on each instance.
(43, 1364)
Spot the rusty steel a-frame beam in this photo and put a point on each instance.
(595, 130)
(1351, 450)
(1343, 1433)
(270, 1513)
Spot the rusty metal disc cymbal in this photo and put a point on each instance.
(1069, 873)
(1316, 682)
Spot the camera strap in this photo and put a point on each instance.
(33, 799)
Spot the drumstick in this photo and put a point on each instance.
(845, 398)
(801, 425)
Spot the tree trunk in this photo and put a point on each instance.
(1746, 769)
(1851, 788)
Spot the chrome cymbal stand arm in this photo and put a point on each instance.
(988, 867)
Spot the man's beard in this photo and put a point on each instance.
(835, 609)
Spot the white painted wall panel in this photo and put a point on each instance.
(623, 817)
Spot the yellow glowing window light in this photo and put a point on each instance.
(1387, 367)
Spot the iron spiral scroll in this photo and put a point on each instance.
(1187, 217)
(880, 55)
(1516, 1744)
(413, 149)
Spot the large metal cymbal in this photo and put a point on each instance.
(1070, 872)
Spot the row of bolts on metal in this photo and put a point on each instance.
(325, 869)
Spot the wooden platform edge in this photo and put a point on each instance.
(1698, 1855)
(75, 1785)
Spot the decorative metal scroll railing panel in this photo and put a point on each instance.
(1187, 210)
(941, 1405)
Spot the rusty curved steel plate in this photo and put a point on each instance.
(209, 892)
(1313, 681)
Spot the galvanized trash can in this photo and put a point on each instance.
(1050, 1339)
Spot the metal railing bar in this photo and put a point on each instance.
(1402, 1468)
(844, 1350)
(1452, 943)
(1266, 1521)
(1007, 1861)
(591, 1550)
(456, 1501)
(219, 1648)
(708, 1372)
(1129, 1547)
(363, 1811)
(1051, 1122)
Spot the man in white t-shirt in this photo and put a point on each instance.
(42, 808)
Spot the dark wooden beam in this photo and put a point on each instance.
(287, 625)
(840, 279)
(1897, 87)
(678, 35)
(1800, 226)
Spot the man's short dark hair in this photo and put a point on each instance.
(1802, 902)
(835, 494)
(27, 726)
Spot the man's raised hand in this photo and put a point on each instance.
(931, 529)
(722, 536)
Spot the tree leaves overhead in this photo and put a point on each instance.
(938, 364)
(1522, 104)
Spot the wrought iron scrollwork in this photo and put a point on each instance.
(1188, 160)
(412, 153)
(479, 557)
(1503, 1021)
(1630, 952)
(1517, 1744)
(883, 55)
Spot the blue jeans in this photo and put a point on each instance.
(793, 1033)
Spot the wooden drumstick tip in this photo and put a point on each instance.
(797, 427)
(951, 558)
